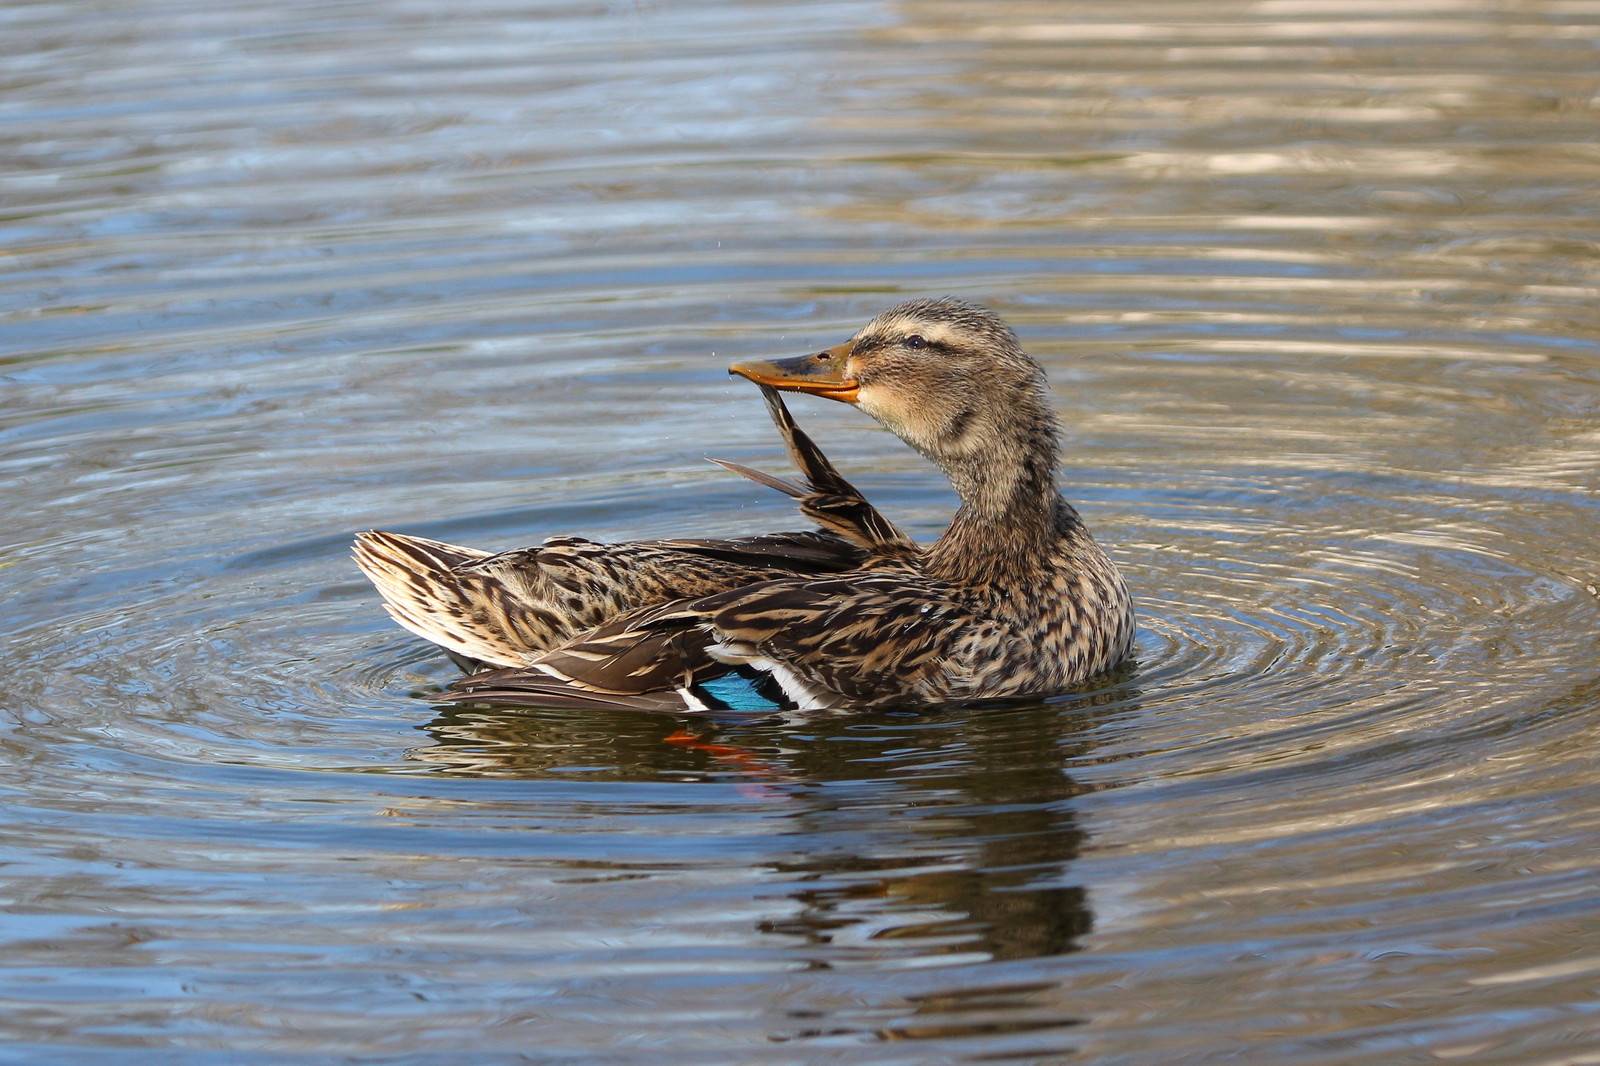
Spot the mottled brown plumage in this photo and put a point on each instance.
(1015, 598)
(510, 608)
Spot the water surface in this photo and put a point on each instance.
(1316, 285)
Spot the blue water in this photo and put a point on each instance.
(1315, 287)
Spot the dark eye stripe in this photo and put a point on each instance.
(914, 341)
(917, 342)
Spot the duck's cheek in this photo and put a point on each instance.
(889, 407)
(904, 414)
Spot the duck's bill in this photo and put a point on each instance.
(822, 374)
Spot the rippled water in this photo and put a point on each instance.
(1316, 282)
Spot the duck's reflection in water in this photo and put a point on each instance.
(932, 839)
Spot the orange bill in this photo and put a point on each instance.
(822, 374)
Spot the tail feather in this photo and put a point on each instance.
(424, 593)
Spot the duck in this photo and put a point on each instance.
(1015, 598)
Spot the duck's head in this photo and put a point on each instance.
(946, 376)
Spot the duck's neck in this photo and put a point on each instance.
(1013, 520)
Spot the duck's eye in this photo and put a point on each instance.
(916, 341)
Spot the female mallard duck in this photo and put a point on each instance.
(1014, 599)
